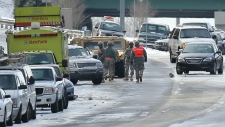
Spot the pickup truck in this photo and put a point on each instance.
(50, 92)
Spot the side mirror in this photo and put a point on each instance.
(214, 36)
(96, 27)
(178, 52)
(66, 76)
(7, 96)
(59, 78)
(124, 31)
(218, 52)
(22, 87)
(31, 80)
(65, 63)
(95, 56)
(175, 37)
(137, 31)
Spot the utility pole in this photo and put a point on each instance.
(122, 13)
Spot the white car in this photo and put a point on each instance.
(12, 81)
(6, 109)
(50, 92)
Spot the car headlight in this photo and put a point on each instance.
(208, 59)
(14, 100)
(141, 39)
(72, 65)
(120, 54)
(99, 65)
(49, 90)
(180, 59)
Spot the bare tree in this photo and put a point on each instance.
(78, 10)
(141, 10)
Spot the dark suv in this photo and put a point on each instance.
(151, 32)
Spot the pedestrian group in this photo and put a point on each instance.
(134, 58)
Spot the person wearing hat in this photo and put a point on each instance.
(127, 64)
(137, 59)
(101, 56)
(110, 57)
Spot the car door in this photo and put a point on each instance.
(6, 102)
(23, 92)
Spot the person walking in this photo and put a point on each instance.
(137, 59)
(110, 57)
(128, 66)
(101, 57)
(115, 61)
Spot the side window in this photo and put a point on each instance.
(171, 34)
(176, 33)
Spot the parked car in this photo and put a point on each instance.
(108, 27)
(162, 44)
(14, 85)
(200, 56)
(180, 36)
(6, 106)
(69, 88)
(220, 40)
(151, 32)
(202, 24)
(30, 83)
(83, 67)
(59, 74)
(50, 92)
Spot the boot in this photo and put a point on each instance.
(103, 80)
(112, 77)
(137, 80)
(140, 78)
(126, 78)
(131, 78)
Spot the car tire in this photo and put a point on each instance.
(97, 81)
(172, 60)
(3, 124)
(33, 116)
(74, 81)
(54, 106)
(19, 116)
(10, 121)
(213, 69)
(26, 117)
(60, 103)
(121, 70)
(220, 70)
(65, 100)
(179, 71)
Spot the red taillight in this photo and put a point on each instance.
(22, 36)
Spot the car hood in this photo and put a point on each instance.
(112, 33)
(196, 55)
(186, 40)
(83, 60)
(152, 35)
(44, 83)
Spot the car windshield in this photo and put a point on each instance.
(196, 24)
(8, 82)
(151, 28)
(78, 52)
(110, 26)
(40, 58)
(195, 33)
(94, 45)
(42, 74)
(198, 48)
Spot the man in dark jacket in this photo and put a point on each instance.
(137, 59)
